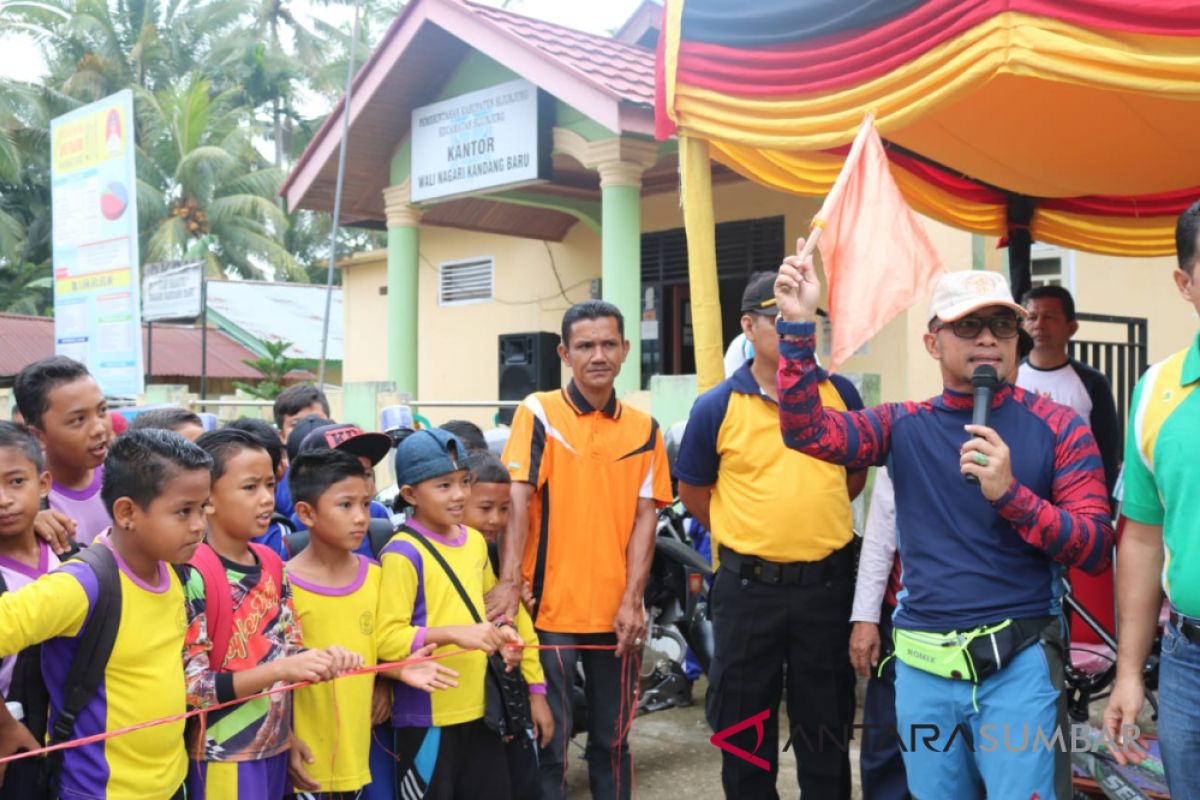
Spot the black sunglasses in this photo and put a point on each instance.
(970, 327)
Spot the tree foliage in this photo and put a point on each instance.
(218, 89)
(274, 367)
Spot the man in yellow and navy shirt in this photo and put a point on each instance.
(587, 475)
(783, 528)
(1160, 546)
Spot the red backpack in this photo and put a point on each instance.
(218, 596)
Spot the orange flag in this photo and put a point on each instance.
(878, 259)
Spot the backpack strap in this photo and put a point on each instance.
(294, 542)
(283, 521)
(218, 603)
(379, 533)
(95, 644)
(218, 596)
(271, 564)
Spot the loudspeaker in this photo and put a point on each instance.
(528, 363)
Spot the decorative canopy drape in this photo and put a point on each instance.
(1071, 123)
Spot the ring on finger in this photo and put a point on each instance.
(980, 458)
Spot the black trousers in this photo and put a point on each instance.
(524, 773)
(469, 763)
(766, 635)
(880, 761)
(610, 768)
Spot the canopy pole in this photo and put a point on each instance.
(695, 181)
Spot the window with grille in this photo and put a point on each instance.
(1052, 266)
(462, 282)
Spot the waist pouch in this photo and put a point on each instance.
(970, 655)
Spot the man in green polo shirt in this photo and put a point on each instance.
(1161, 484)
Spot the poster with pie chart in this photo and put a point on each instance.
(97, 317)
(114, 200)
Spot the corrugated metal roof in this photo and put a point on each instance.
(176, 349)
(290, 312)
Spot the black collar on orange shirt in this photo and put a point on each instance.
(581, 406)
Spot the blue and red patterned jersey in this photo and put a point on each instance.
(966, 561)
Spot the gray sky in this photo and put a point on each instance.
(23, 61)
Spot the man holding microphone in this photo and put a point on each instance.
(987, 517)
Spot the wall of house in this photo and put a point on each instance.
(1126, 287)
(459, 358)
(459, 353)
(1134, 288)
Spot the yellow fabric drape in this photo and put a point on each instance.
(695, 179)
(814, 174)
(1117, 236)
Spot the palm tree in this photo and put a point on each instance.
(205, 191)
(94, 48)
(24, 199)
(25, 289)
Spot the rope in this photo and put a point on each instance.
(289, 687)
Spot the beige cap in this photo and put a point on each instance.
(956, 294)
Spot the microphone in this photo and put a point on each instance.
(984, 381)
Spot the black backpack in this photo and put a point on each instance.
(379, 533)
(36, 778)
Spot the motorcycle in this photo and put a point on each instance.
(1090, 672)
(678, 621)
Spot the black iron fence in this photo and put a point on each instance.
(1123, 362)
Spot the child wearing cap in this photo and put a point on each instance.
(317, 433)
(443, 746)
(487, 512)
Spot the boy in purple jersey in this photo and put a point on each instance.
(65, 409)
(23, 559)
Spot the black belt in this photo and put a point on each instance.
(793, 573)
(1189, 628)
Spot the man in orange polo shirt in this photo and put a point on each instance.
(588, 474)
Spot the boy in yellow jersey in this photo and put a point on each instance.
(155, 488)
(444, 746)
(242, 635)
(487, 512)
(335, 592)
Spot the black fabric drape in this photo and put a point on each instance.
(760, 23)
(1020, 243)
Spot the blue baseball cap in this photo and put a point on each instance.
(428, 453)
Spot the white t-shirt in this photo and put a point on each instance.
(739, 352)
(1061, 384)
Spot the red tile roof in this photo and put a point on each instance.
(624, 69)
(176, 349)
(606, 80)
